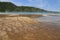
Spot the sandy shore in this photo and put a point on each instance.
(25, 28)
(21, 15)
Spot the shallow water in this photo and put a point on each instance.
(28, 29)
(52, 21)
(28, 13)
(49, 18)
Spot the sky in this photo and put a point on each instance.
(51, 5)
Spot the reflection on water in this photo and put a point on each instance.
(49, 19)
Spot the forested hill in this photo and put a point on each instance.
(8, 6)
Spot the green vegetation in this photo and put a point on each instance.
(6, 6)
(10, 7)
(28, 9)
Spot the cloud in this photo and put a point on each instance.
(5, 0)
(39, 3)
(19, 4)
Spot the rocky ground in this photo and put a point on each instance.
(25, 28)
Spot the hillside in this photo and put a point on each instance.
(8, 6)
(28, 9)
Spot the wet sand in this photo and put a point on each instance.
(21, 15)
(26, 28)
(49, 19)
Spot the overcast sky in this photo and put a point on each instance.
(52, 5)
